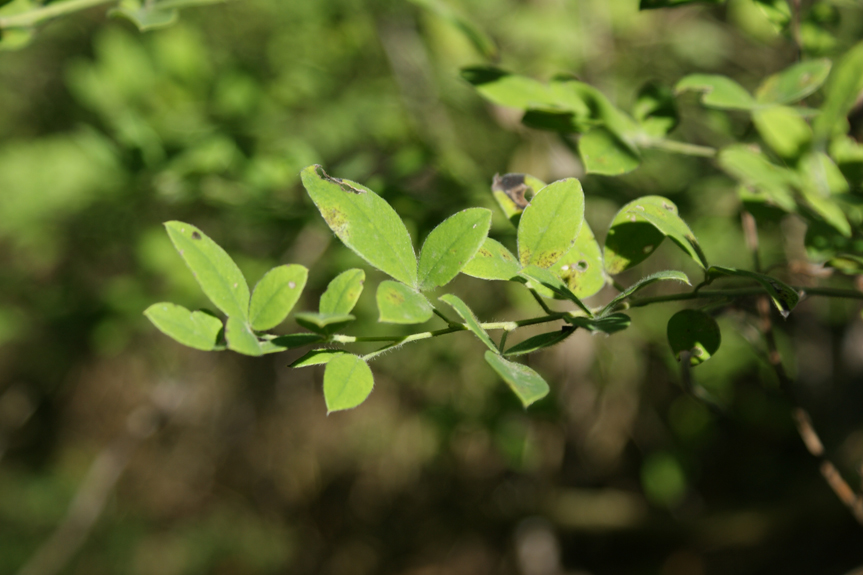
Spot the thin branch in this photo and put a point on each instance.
(33, 17)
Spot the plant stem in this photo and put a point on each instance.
(743, 292)
(33, 17)
(676, 147)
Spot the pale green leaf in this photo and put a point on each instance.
(538, 277)
(146, 18)
(550, 223)
(398, 303)
(752, 168)
(506, 89)
(216, 272)
(843, 88)
(317, 357)
(784, 130)
(364, 222)
(655, 109)
(192, 328)
(241, 338)
(323, 323)
(451, 245)
(581, 268)
(480, 40)
(275, 296)
(470, 320)
(718, 92)
(348, 381)
(343, 292)
(606, 154)
(528, 385)
(822, 181)
(492, 262)
(794, 83)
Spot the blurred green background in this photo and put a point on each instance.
(105, 133)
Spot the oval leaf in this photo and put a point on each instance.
(492, 262)
(146, 18)
(718, 92)
(794, 83)
(783, 296)
(470, 320)
(192, 328)
(694, 332)
(540, 341)
(604, 153)
(843, 89)
(364, 222)
(451, 245)
(656, 109)
(506, 89)
(526, 383)
(348, 381)
(317, 357)
(581, 268)
(550, 223)
(644, 282)
(343, 292)
(398, 303)
(217, 274)
(275, 296)
(241, 338)
(608, 324)
(323, 323)
(630, 239)
(783, 129)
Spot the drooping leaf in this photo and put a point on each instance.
(537, 277)
(540, 341)
(343, 292)
(451, 245)
(652, 4)
(581, 268)
(475, 35)
(513, 192)
(470, 320)
(644, 282)
(550, 223)
(606, 154)
(323, 323)
(492, 262)
(694, 332)
(241, 338)
(398, 303)
(794, 83)
(294, 340)
(217, 274)
(783, 296)
(275, 296)
(752, 168)
(609, 324)
(656, 109)
(528, 385)
(317, 357)
(507, 89)
(146, 18)
(364, 222)
(718, 92)
(630, 239)
(191, 328)
(348, 381)
(784, 130)
(843, 88)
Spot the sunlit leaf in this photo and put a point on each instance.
(794, 83)
(784, 130)
(718, 92)
(783, 296)
(604, 153)
(398, 303)
(540, 341)
(275, 296)
(550, 223)
(317, 357)
(343, 292)
(694, 332)
(643, 283)
(538, 277)
(451, 245)
(470, 320)
(581, 268)
(843, 88)
(241, 338)
(348, 381)
(492, 262)
(752, 168)
(656, 109)
(364, 222)
(192, 328)
(147, 17)
(777, 12)
(506, 89)
(822, 181)
(216, 272)
(528, 385)
(323, 323)
(480, 40)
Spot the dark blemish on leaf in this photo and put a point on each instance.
(582, 265)
(513, 186)
(338, 181)
(548, 258)
(395, 298)
(196, 236)
(337, 221)
(668, 207)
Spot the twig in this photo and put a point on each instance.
(32, 17)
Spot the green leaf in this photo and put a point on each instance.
(604, 153)
(348, 381)
(554, 121)
(784, 130)
(538, 277)
(191, 328)
(593, 108)
(540, 341)
(824, 244)
(608, 324)
(513, 192)
(783, 296)
(470, 320)
(275, 296)
(656, 109)
(294, 340)
(777, 12)
(794, 83)
(480, 40)
(550, 223)
(364, 222)
(323, 323)
(718, 92)
(526, 383)
(217, 274)
(752, 168)
(16, 38)
(822, 181)
(694, 332)
(398, 303)
(652, 4)
(146, 18)
(506, 89)
(644, 282)
(843, 88)
(241, 338)
(630, 238)
(343, 292)
(317, 357)
(492, 262)
(581, 268)
(451, 245)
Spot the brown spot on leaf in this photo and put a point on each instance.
(196, 235)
